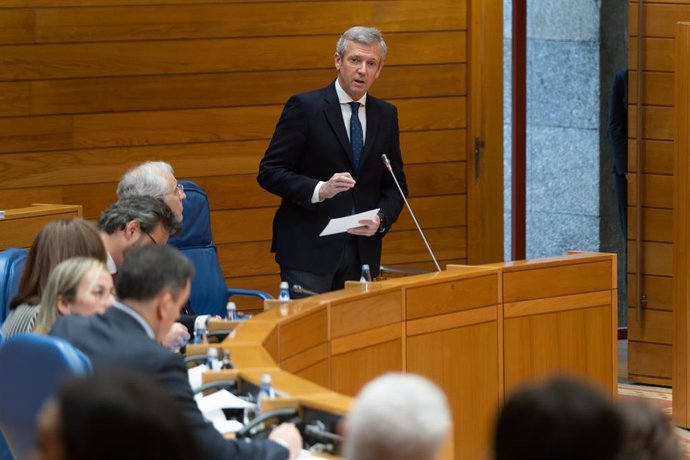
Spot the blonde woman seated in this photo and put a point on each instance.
(79, 285)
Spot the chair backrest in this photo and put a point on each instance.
(32, 366)
(195, 240)
(12, 262)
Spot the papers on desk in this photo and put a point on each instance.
(194, 375)
(212, 407)
(343, 224)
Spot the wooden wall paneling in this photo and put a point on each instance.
(657, 224)
(658, 289)
(406, 246)
(657, 156)
(657, 122)
(658, 326)
(227, 89)
(681, 227)
(657, 190)
(657, 88)
(652, 363)
(166, 22)
(87, 60)
(657, 54)
(657, 258)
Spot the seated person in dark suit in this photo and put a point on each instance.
(153, 284)
(559, 418)
(113, 416)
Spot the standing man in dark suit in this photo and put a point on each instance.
(324, 161)
(153, 284)
(618, 134)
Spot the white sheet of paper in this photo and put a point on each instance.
(194, 375)
(221, 424)
(221, 399)
(343, 224)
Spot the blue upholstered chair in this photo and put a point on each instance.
(32, 366)
(12, 262)
(209, 291)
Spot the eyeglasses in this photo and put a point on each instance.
(179, 189)
(153, 240)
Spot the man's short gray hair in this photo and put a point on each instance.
(145, 180)
(361, 34)
(400, 416)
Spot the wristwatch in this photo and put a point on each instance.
(382, 220)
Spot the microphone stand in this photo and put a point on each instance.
(387, 162)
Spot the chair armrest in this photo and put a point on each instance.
(217, 385)
(249, 293)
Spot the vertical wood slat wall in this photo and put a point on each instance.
(89, 88)
(650, 340)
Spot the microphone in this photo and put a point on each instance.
(296, 288)
(387, 163)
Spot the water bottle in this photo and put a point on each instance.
(231, 310)
(284, 297)
(366, 274)
(284, 293)
(200, 332)
(227, 364)
(212, 359)
(265, 390)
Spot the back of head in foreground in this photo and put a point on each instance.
(557, 418)
(400, 416)
(114, 415)
(648, 433)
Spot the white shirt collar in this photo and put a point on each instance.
(110, 265)
(140, 319)
(345, 98)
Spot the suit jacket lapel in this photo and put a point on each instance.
(334, 115)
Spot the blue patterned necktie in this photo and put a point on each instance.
(356, 135)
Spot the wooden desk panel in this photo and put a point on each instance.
(452, 327)
(21, 225)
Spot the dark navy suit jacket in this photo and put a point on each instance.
(310, 144)
(115, 340)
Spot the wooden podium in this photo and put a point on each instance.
(21, 225)
(477, 331)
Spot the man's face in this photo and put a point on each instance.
(358, 67)
(156, 236)
(170, 309)
(175, 196)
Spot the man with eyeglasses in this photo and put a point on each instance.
(155, 179)
(134, 222)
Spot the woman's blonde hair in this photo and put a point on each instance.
(63, 281)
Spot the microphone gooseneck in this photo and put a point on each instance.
(300, 290)
(387, 163)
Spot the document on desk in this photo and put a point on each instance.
(343, 224)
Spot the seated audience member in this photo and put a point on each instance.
(133, 222)
(57, 241)
(79, 285)
(556, 419)
(397, 416)
(113, 416)
(152, 285)
(647, 433)
(155, 179)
